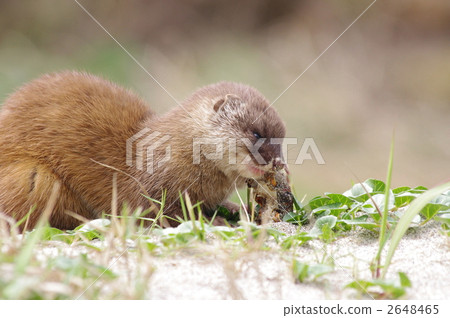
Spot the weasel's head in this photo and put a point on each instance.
(246, 130)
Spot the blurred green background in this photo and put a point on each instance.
(389, 71)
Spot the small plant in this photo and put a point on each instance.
(382, 289)
(421, 205)
(309, 272)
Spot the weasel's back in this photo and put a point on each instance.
(52, 128)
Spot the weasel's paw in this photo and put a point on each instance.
(231, 206)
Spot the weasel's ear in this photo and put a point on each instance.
(229, 100)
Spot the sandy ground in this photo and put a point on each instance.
(211, 272)
(216, 270)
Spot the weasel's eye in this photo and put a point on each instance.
(257, 136)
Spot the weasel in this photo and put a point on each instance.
(79, 129)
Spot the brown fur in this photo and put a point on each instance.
(53, 129)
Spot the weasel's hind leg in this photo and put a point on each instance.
(26, 185)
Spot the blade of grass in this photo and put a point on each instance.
(26, 252)
(7, 225)
(115, 223)
(160, 215)
(250, 204)
(143, 189)
(382, 237)
(416, 206)
(183, 207)
(190, 210)
(25, 219)
(243, 210)
(386, 196)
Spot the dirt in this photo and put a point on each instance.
(210, 272)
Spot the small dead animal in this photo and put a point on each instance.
(272, 194)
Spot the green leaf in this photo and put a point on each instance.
(328, 221)
(81, 266)
(360, 221)
(296, 240)
(445, 229)
(376, 185)
(416, 221)
(151, 246)
(327, 234)
(327, 207)
(444, 218)
(49, 232)
(403, 199)
(317, 202)
(64, 237)
(379, 200)
(430, 210)
(419, 190)
(318, 270)
(227, 215)
(303, 271)
(358, 190)
(297, 204)
(300, 271)
(404, 280)
(296, 218)
(442, 199)
(275, 233)
(333, 208)
(340, 198)
(400, 190)
(390, 289)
